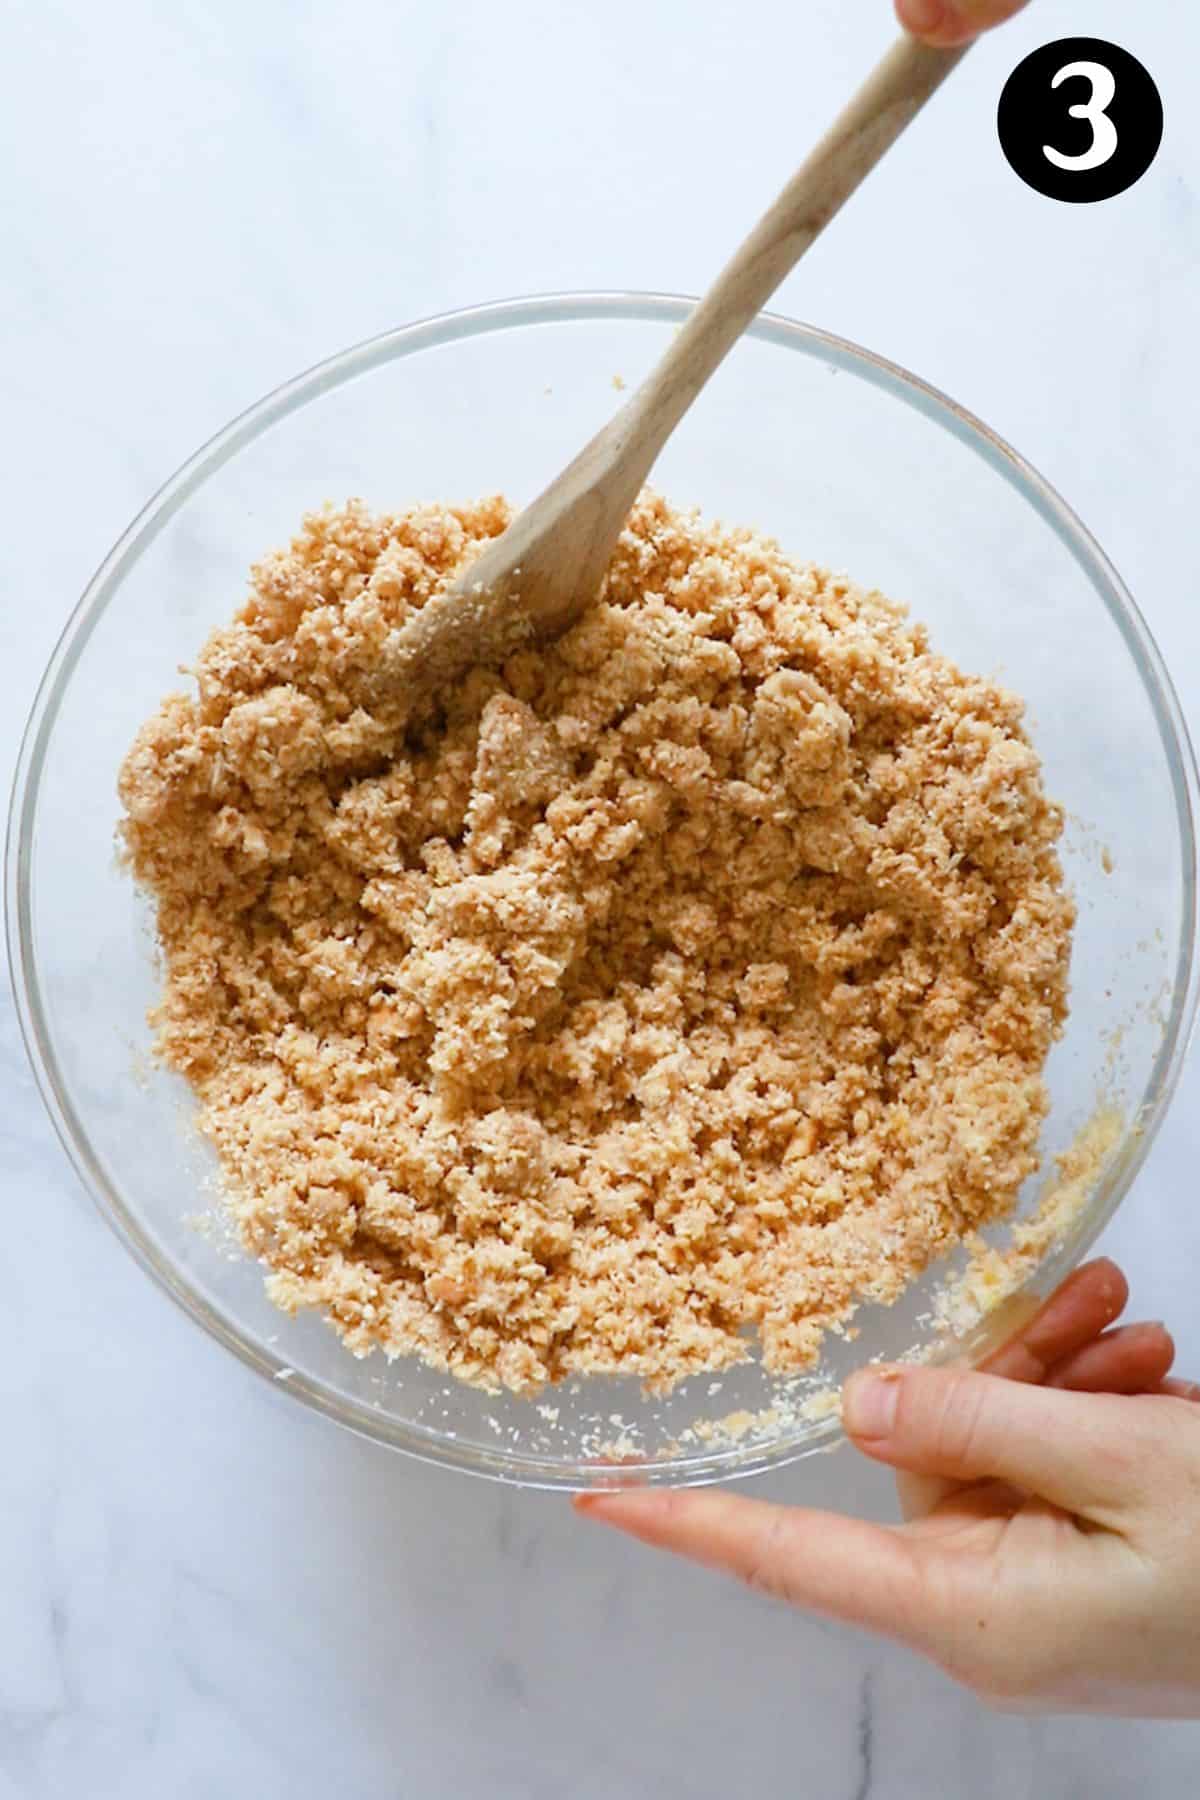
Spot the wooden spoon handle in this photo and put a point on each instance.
(537, 578)
(867, 127)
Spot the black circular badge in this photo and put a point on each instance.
(1080, 119)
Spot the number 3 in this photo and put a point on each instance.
(1095, 110)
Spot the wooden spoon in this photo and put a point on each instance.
(536, 579)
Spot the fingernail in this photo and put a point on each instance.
(921, 16)
(602, 1500)
(594, 1501)
(870, 1401)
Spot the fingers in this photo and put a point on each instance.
(948, 23)
(864, 1574)
(1070, 1449)
(1180, 1390)
(1133, 1359)
(1078, 1311)
(1067, 1345)
(1072, 1318)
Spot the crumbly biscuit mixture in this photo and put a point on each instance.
(678, 986)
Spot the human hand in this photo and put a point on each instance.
(1050, 1558)
(945, 23)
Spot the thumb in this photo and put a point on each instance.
(1076, 1450)
(947, 23)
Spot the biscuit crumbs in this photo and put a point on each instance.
(671, 992)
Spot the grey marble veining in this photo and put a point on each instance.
(203, 1591)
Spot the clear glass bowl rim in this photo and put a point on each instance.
(359, 359)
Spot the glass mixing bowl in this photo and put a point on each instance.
(847, 460)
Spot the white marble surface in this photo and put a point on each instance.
(204, 1592)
